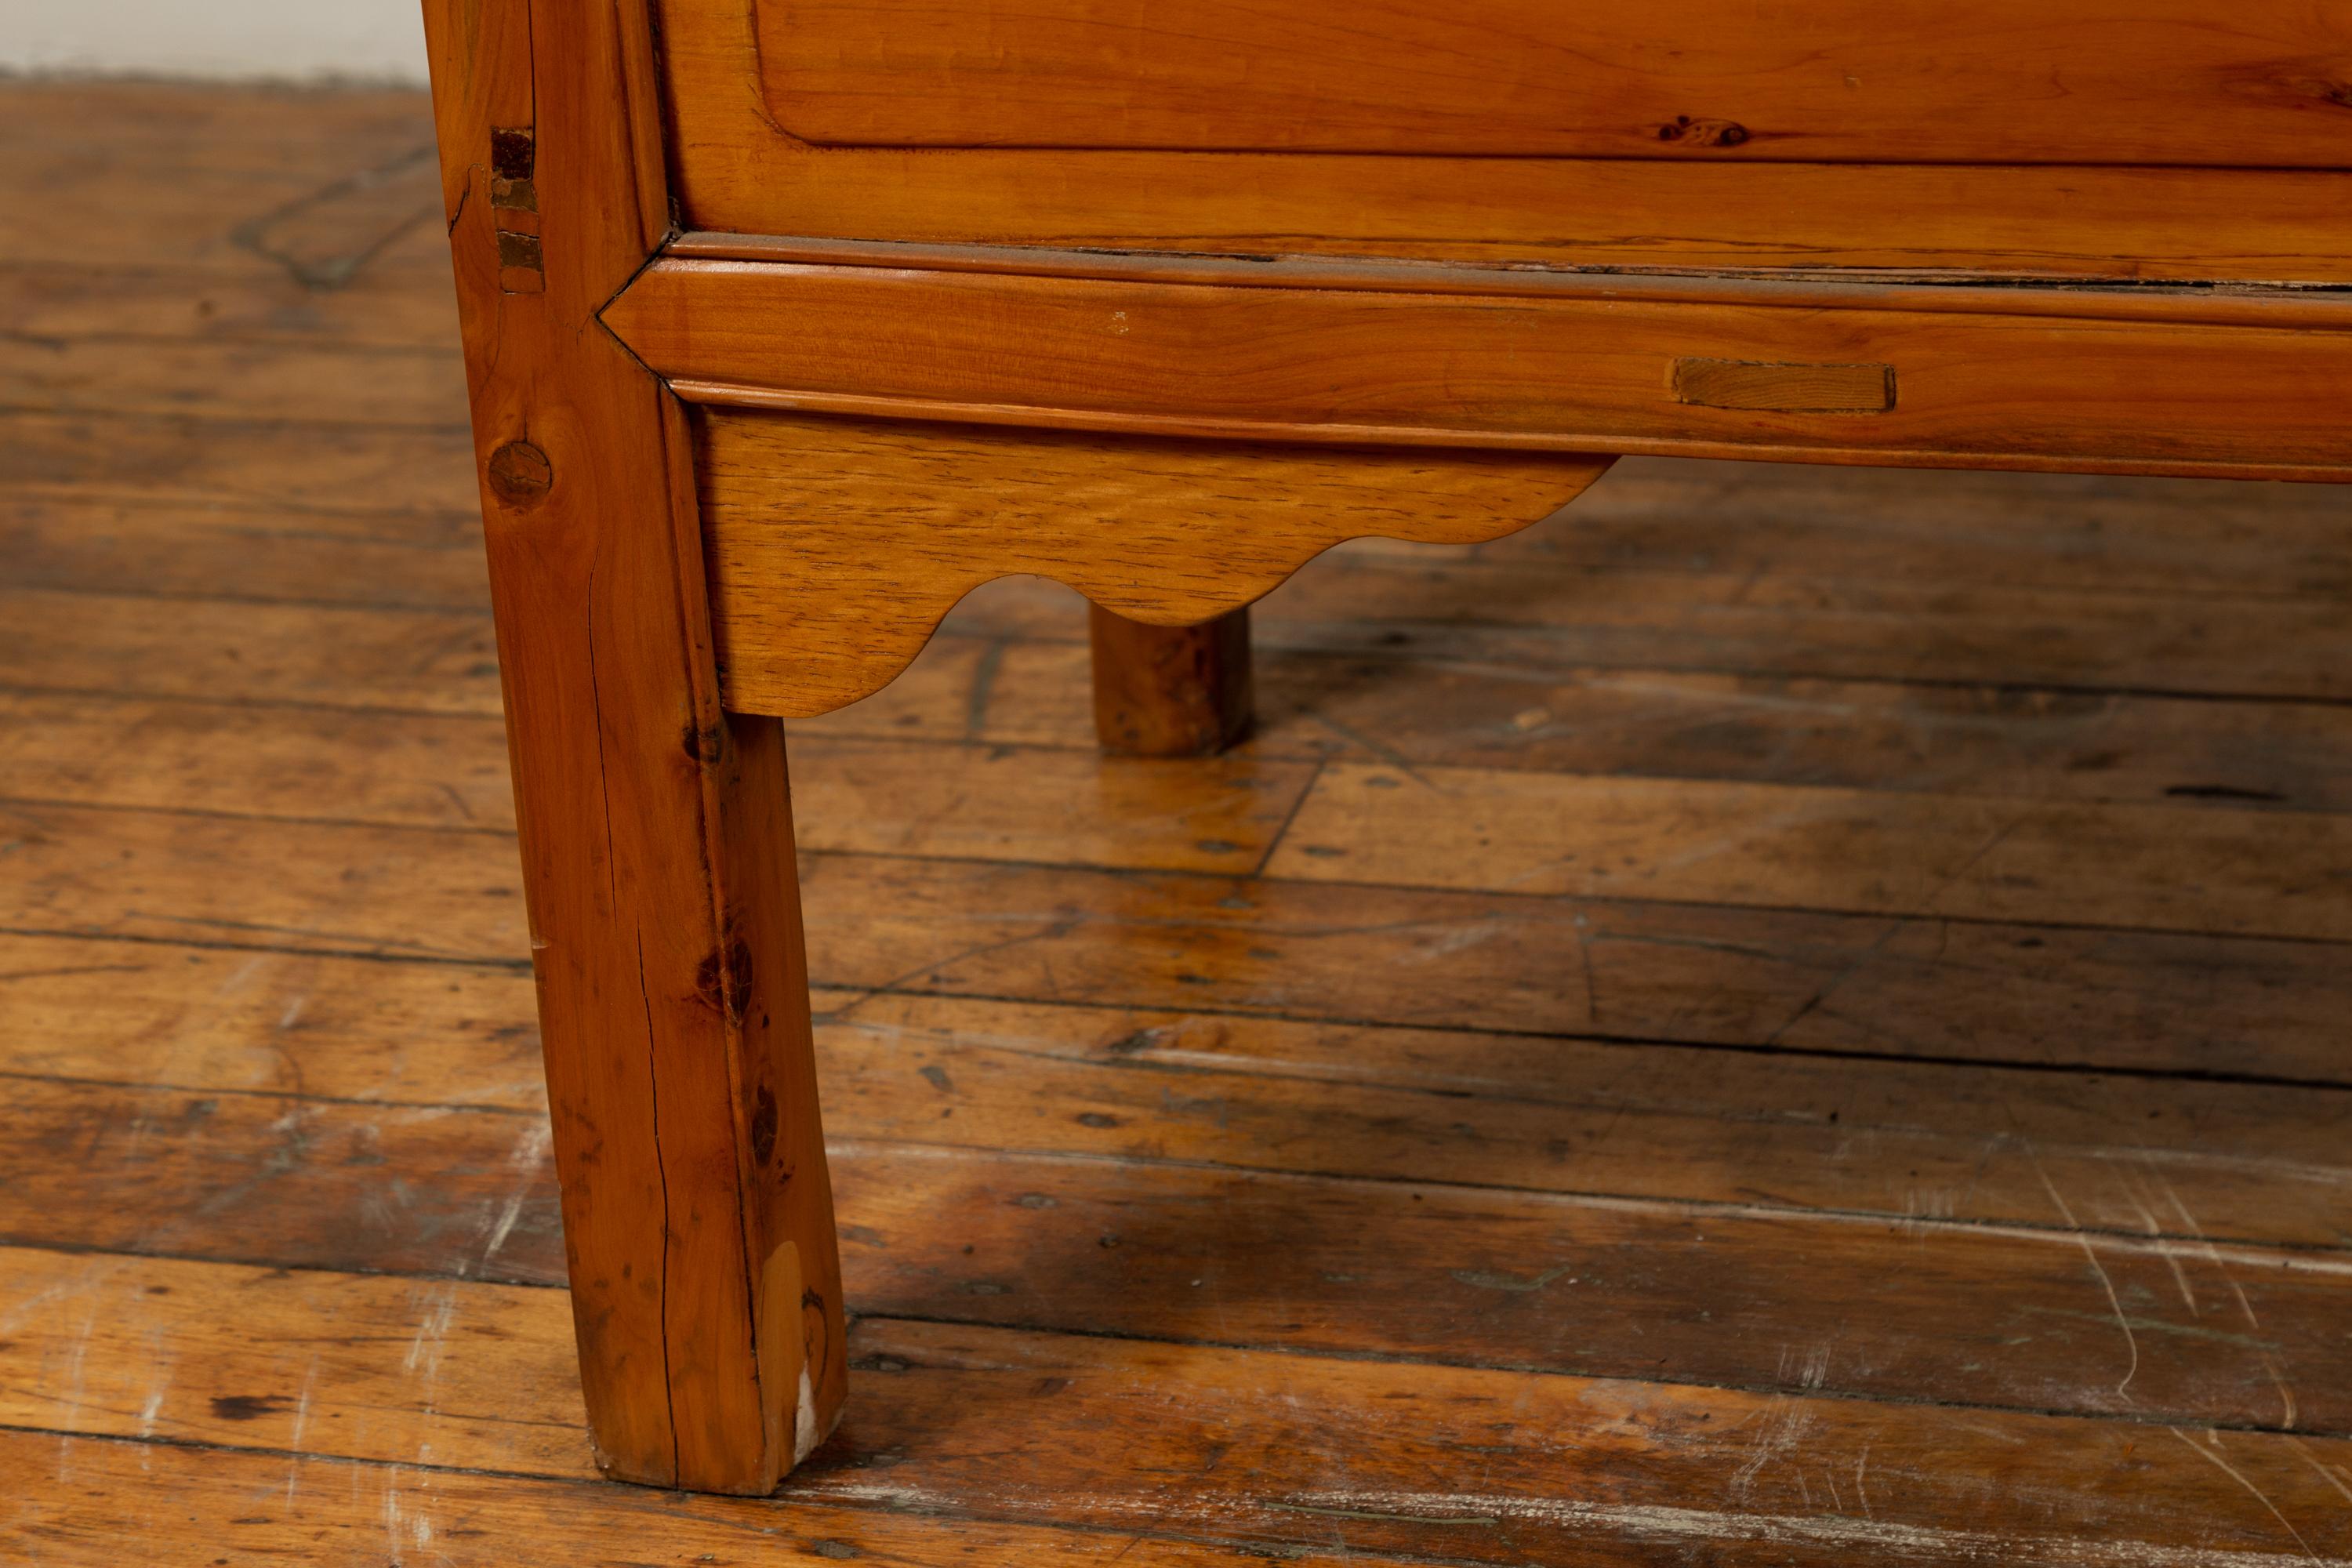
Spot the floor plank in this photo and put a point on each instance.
(1937, 988)
(1925, 1142)
(2254, 873)
(1278, 1449)
(2035, 1317)
(2044, 530)
(415, 660)
(132, 545)
(391, 301)
(873, 796)
(243, 1019)
(2017, 742)
(210, 177)
(380, 386)
(2081, 635)
(397, 583)
(350, 468)
(262, 1507)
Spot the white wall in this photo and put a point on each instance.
(274, 40)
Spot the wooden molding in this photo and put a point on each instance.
(834, 545)
(1842, 288)
(1570, 365)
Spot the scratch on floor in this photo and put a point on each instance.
(77, 1392)
(2129, 1181)
(1387, 754)
(151, 1408)
(1812, 1369)
(424, 1358)
(2158, 1326)
(301, 1421)
(2231, 1471)
(1460, 938)
(88, 1279)
(424, 1346)
(1487, 1280)
(2098, 1267)
(1784, 1424)
(527, 1159)
(2329, 1473)
(1058, 929)
(2286, 1393)
(2188, 1222)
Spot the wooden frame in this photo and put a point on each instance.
(752, 413)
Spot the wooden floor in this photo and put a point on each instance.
(1781, 1016)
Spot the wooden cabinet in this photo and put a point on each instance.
(789, 320)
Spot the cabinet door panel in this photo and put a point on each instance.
(2043, 81)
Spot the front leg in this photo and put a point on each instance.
(655, 831)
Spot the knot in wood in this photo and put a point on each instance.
(520, 474)
(1702, 132)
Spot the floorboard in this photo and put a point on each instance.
(1852, 1069)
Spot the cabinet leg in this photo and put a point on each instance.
(656, 832)
(1170, 691)
(656, 839)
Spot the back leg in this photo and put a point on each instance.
(1170, 691)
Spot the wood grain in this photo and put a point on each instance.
(386, 301)
(432, 661)
(1821, 849)
(383, 386)
(1986, 1314)
(473, 1377)
(1802, 980)
(655, 830)
(1622, 1448)
(879, 795)
(349, 1047)
(2102, 82)
(1162, 692)
(238, 463)
(129, 546)
(266, 1181)
(1784, 388)
(306, 1506)
(1550, 372)
(1370, 704)
(2211, 866)
(231, 180)
(2063, 639)
(836, 546)
(1957, 291)
(737, 171)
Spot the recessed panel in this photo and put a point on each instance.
(2041, 81)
